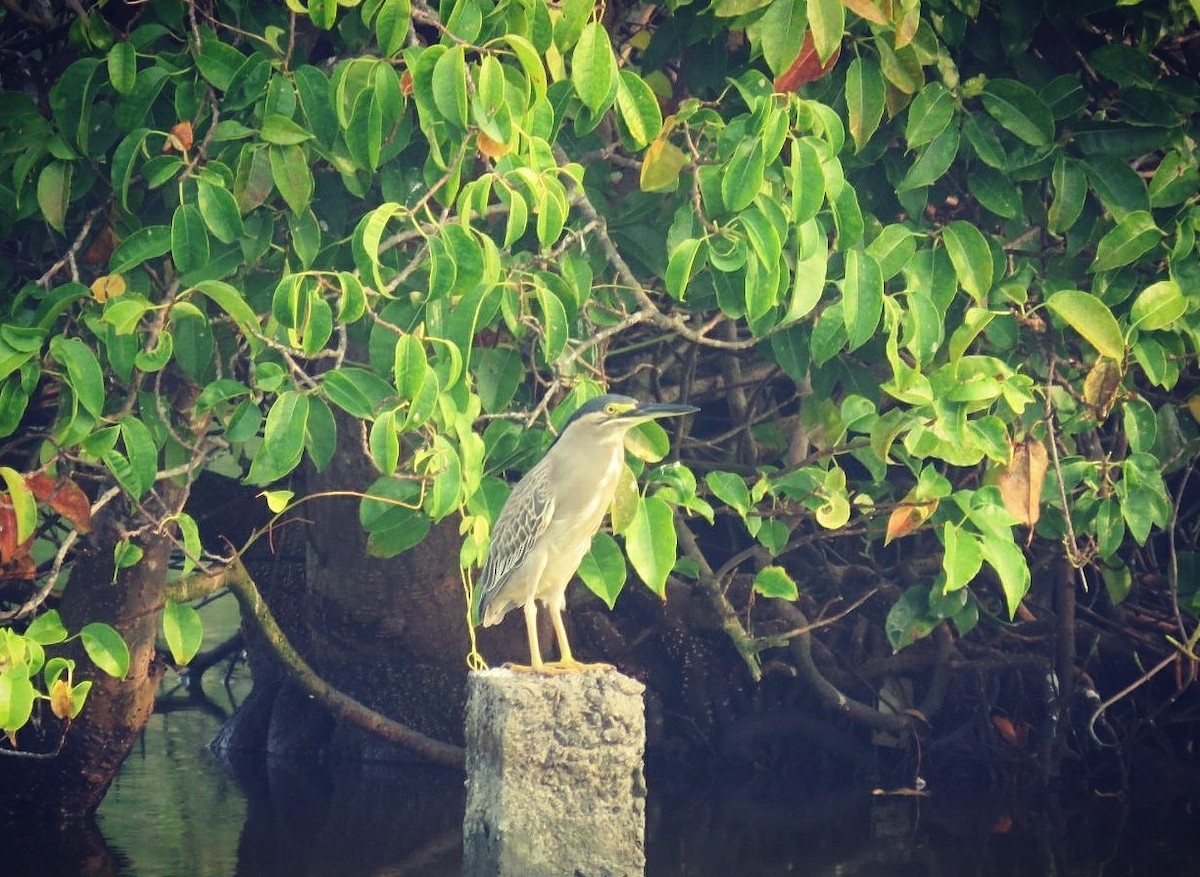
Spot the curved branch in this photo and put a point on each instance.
(238, 580)
(830, 694)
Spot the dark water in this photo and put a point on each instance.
(176, 811)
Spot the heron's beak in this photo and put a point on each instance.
(655, 410)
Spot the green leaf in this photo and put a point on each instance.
(392, 24)
(356, 391)
(603, 569)
(323, 13)
(409, 366)
(594, 68)
(910, 618)
(774, 581)
(929, 114)
(865, 93)
(47, 629)
(446, 467)
(183, 631)
(122, 67)
(972, 258)
(996, 192)
(554, 323)
(651, 543)
(23, 504)
(220, 211)
(639, 108)
(1132, 237)
(779, 32)
(1141, 425)
(1118, 186)
(686, 259)
(145, 243)
(83, 372)
(933, 162)
(1069, 183)
(962, 559)
(450, 86)
(292, 177)
(283, 439)
(1091, 318)
(1018, 108)
(189, 239)
(827, 20)
(730, 489)
(232, 302)
(54, 193)
(978, 129)
(1008, 561)
(282, 130)
(16, 699)
(142, 454)
(106, 648)
(1158, 306)
(862, 298)
(743, 175)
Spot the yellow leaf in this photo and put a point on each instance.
(60, 698)
(1021, 481)
(907, 517)
(1193, 404)
(489, 147)
(661, 165)
(108, 286)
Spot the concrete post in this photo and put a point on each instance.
(554, 775)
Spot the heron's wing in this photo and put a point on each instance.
(522, 521)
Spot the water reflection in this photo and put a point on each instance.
(346, 820)
(176, 811)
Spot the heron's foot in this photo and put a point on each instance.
(570, 665)
(558, 668)
(520, 668)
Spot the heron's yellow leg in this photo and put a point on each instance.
(566, 662)
(536, 665)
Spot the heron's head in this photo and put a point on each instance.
(614, 414)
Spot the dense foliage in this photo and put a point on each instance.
(929, 267)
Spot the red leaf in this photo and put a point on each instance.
(806, 68)
(40, 485)
(8, 531)
(72, 503)
(21, 567)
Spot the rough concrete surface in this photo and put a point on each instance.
(554, 775)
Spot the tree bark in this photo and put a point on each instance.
(71, 784)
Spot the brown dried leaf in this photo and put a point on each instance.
(1101, 385)
(1021, 481)
(907, 517)
(101, 247)
(60, 699)
(181, 137)
(806, 68)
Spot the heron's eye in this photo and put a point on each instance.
(610, 408)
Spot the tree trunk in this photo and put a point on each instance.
(72, 784)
